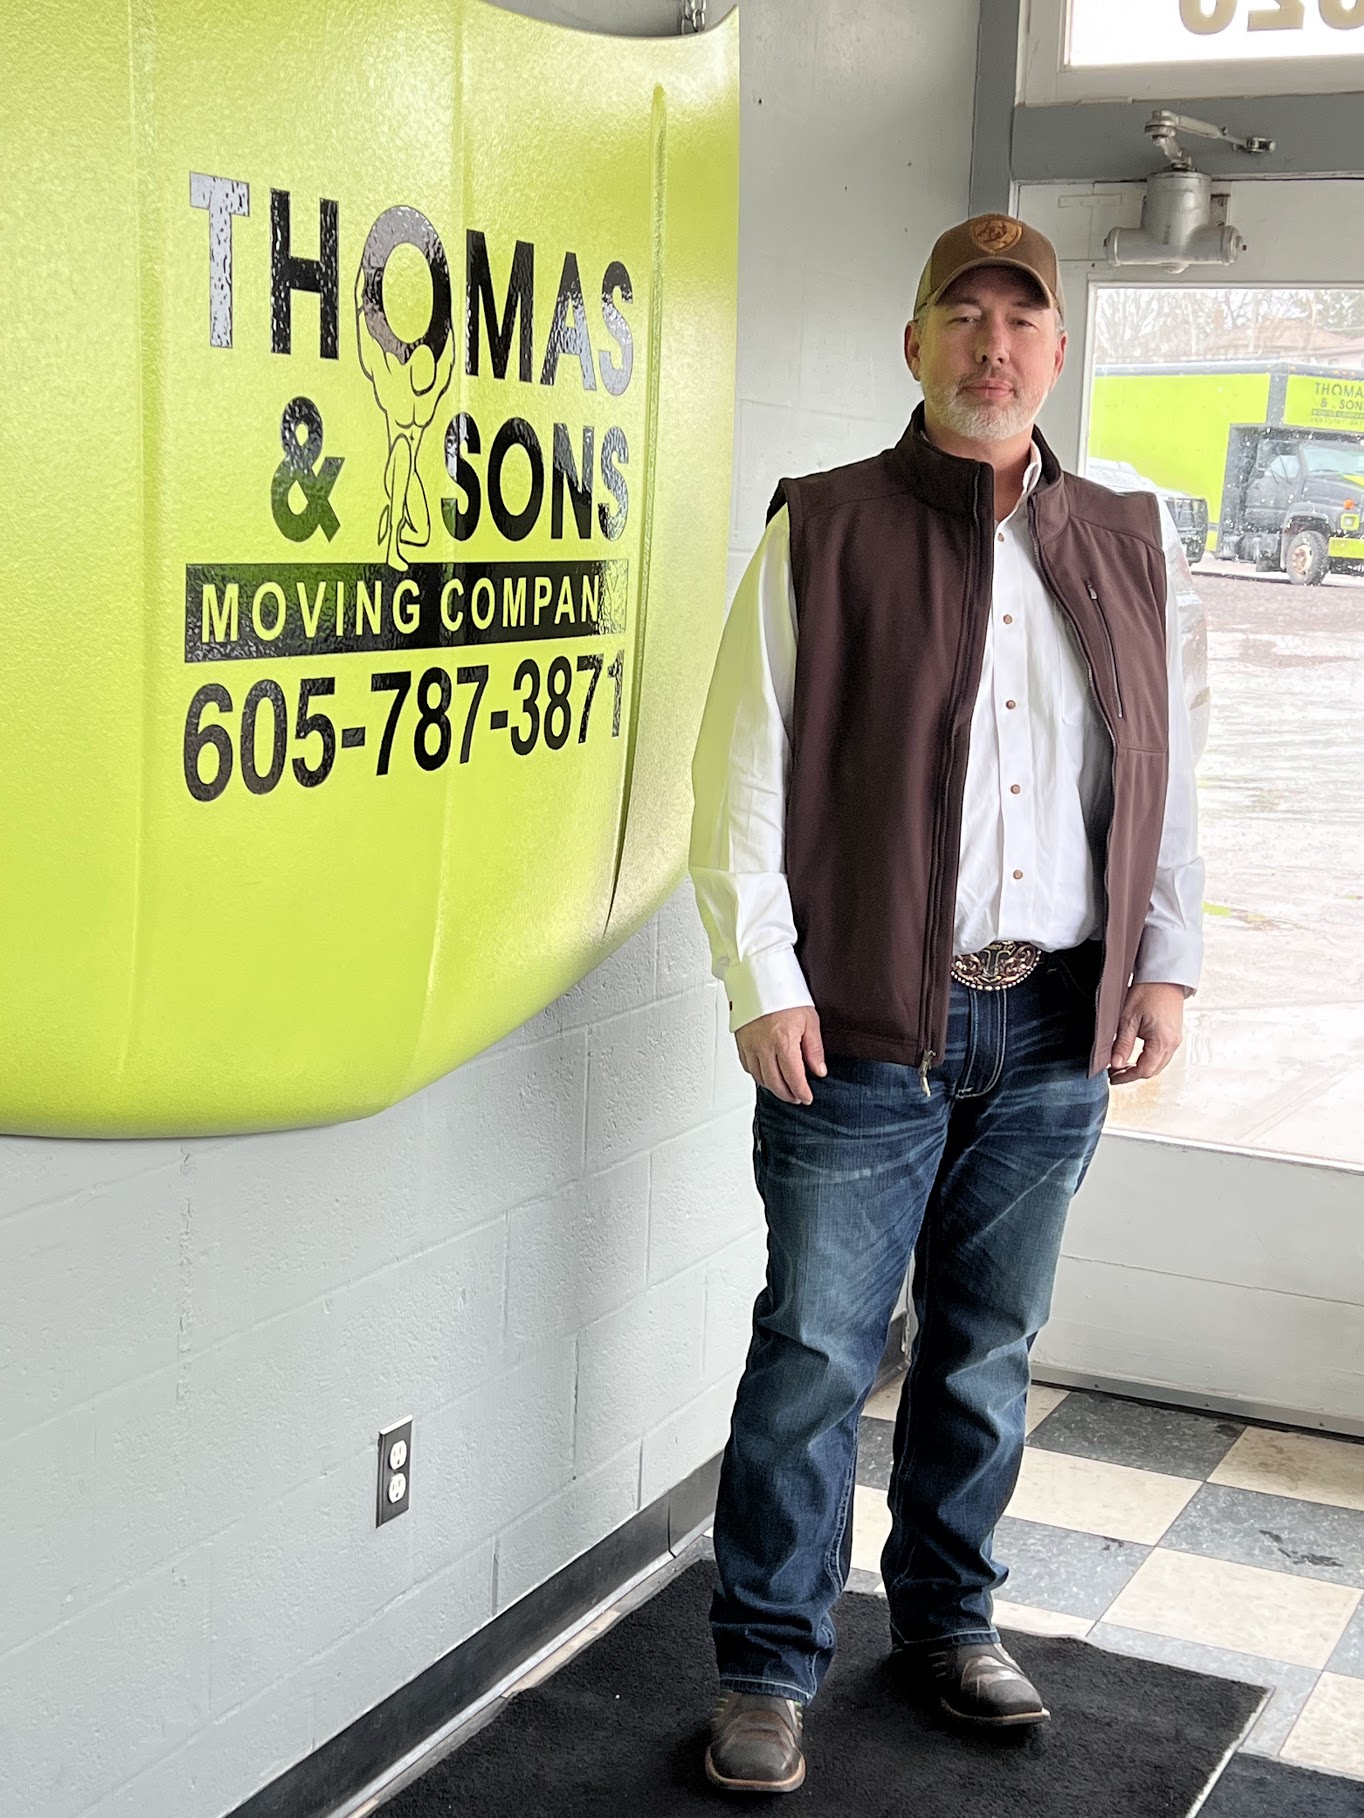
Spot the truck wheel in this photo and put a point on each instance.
(1196, 546)
(1306, 556)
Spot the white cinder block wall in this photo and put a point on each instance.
(548, 1258)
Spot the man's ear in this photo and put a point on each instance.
(913, 347)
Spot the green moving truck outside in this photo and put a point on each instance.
(1276, 450)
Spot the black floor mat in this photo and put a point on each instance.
(1254, 1787)
(621, 1729)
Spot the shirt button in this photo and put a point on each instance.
(1008, 618)
(1011, 703)
(1001, 536)
(1014, 789)
(1018, 874)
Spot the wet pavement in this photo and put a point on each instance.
(1274, 1051)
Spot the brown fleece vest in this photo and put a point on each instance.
(892, 560)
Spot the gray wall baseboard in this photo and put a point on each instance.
(1233, 1406)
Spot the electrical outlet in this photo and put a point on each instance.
(395, 1470)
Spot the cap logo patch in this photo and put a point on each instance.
(996, 233)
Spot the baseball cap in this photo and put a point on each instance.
(990, 240)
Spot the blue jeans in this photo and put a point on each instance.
(974, 1183)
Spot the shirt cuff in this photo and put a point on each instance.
(1168, 957)
(767, 981)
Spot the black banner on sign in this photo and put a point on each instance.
(250, 610)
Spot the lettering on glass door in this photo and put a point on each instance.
(1197, 31)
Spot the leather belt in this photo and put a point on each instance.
(996, 967)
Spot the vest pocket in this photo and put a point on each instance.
(1108, 640)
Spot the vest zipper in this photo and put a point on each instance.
(929, 981)
(1108, 639)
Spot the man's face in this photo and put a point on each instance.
(986, 354)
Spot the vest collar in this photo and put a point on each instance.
(966, 488)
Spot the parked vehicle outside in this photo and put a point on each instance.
(1296, 503)
(1279, 446)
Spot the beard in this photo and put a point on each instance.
(986, 420)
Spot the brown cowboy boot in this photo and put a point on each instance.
(981, 1683)
(755, 1744)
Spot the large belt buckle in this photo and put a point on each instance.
(996, 967)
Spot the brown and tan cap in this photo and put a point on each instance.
(990, 240)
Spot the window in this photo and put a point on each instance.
(1210, 31)
(1089, 50)
(1325, 457)
(1222, 400)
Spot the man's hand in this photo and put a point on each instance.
(777, 1049)
(1154, 1015)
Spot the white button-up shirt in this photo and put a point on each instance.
(1037, 794)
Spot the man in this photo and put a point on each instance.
(944, 848)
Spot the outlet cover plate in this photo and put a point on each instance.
(400, 1433)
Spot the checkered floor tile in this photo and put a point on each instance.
(1186, 1537)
